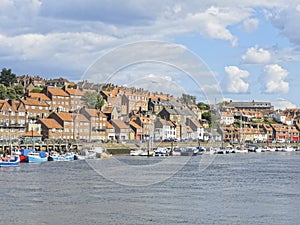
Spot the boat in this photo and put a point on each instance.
(36, 157)
(13, 160)
(240, 150)
(55, 156)
(288, 149)
(24, 154)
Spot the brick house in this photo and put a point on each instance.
(60, 100)
(51, 129)
(97, 123)
(75, 98)
(122, 130)
(35, 108)
(164, 129)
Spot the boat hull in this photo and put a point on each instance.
(11, 162)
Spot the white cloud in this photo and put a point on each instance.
(250, 24)
(283, 104)
(214, 22)
(234, 82)
(284, 19)
(273, 79)
(256, 55)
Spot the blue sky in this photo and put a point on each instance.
(250, 47)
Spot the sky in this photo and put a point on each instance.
(221, 50)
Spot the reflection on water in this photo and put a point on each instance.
(234, 189)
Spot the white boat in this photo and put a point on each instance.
(136, 152)
(13, 160)
(240, 150)
(55, 156)
(288, 149)
(35, 157)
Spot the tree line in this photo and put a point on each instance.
(8, 87)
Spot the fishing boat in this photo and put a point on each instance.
(13, 160)
(24, 154)
(55, 156)
(36, 157)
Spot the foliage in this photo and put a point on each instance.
(19, 90)
(203, 106)
(93, 100)
(72, 86)
(7, 78)
(188, 99)
(3, 92)
(99, 102)
(11, 93)
(90, 99)
(36, 90)
(207, 116)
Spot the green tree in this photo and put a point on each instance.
(188, 99)
(7, 77)
(203, 106)
(36, 90)
(99, 102)
(207, 116)
(11, 93)
(19, 90)
(3, 92)
(90, 99)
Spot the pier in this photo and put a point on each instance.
(42, 147)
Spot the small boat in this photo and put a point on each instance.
(24, 154)
(288, 149)
(55, 156)
(13, 160)
(240, 150)
(36, 157)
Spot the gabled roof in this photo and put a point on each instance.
(5, 105)
(42, 96)
(65, 116)
(135, 125)
(51, 123)
(119, 123)
(57, 92)
(109, 125)
(33, 102)
(31, 134)
(73, 91)
(93, 112)
(79, 118)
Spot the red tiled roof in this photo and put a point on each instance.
(42, 96)
(57, 92)
(109, 125)
(33, 102)
(120, 124)
(31, 134)
(73, 91)
(92, 112)
(51, 123)
(65, 116)
(135, 125)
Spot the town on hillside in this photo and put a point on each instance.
(34, 109)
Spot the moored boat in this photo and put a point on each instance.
(55, 156)
(13, 160)
(36, 157)
(24, 154)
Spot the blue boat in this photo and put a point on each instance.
(36, 157)
(11, 161)
(55, 156)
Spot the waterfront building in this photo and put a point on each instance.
(51, 129)
(60, 100)
(122, 130)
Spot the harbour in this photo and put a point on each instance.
(232, 189)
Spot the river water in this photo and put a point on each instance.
(254, 188)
